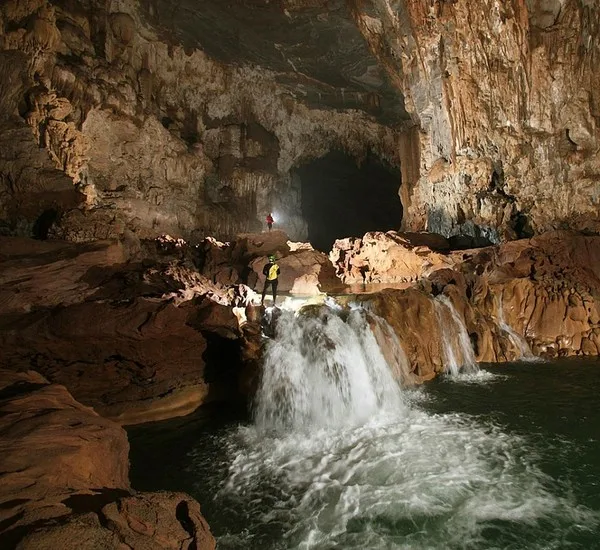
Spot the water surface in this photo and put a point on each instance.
(506, 459)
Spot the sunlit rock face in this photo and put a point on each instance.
(191, 118)
(505, 97)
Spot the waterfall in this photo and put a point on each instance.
(339, 457)
(515, 338)
(456, 345)
(391, 347)
(324, 368)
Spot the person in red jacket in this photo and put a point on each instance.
(270, 221)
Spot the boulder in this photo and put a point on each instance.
(387, 258)
(306, 272)
(64, 479)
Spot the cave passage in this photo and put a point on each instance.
(343, 199)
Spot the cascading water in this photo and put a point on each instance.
(340, 457)
(457, 350)
(525, 353)
(322, 370)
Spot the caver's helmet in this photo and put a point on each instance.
(271, 258)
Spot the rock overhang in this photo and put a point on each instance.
(313, 46)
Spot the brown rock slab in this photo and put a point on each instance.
(386, 258)
(149, 521)
(51, 446)
(129, 340)
(305, 272)
(64, 479)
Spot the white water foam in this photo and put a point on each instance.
(322, 370)
(478, 377)
(338, 459)
(407, 481)
(458, 354)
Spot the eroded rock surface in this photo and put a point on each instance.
(387, 257)
(303, 269)
(153, 135)
(130, 339)
(504, 98)
(546, 289)
(191, 119)
(64, 479)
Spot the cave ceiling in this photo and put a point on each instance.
(313, 46)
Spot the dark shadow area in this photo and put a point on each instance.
(343, 199)
(41, 227)
(82, 504)
(182, 513)
(19, 388)
(222, 367)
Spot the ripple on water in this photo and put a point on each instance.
(478, 377)
(414, 481)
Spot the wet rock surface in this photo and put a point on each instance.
(130, 339)
(64, 478)
(545, 288)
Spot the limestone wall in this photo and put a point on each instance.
(112, 120)
(505, 97)
(154, 137)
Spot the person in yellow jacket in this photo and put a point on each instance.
(271, 272)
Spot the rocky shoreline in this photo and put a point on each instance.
(65, 480)
(101, 334)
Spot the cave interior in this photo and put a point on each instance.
(343, 197)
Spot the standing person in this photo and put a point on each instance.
(270, 221)
(271, 272)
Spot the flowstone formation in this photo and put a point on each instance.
(504, 97)
(191, 118)
(115, 119)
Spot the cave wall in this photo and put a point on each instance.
(120, 128)
(114, 116)
(505, 98)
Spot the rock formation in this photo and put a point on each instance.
(155, 135)
(144, 117)
(506, 109)
(64, 479)
(149, 331)
(130, 339)
(388, 257)
(545, 288)
(123, 120)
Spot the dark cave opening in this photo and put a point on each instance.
(342, 198)
(43, 224)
